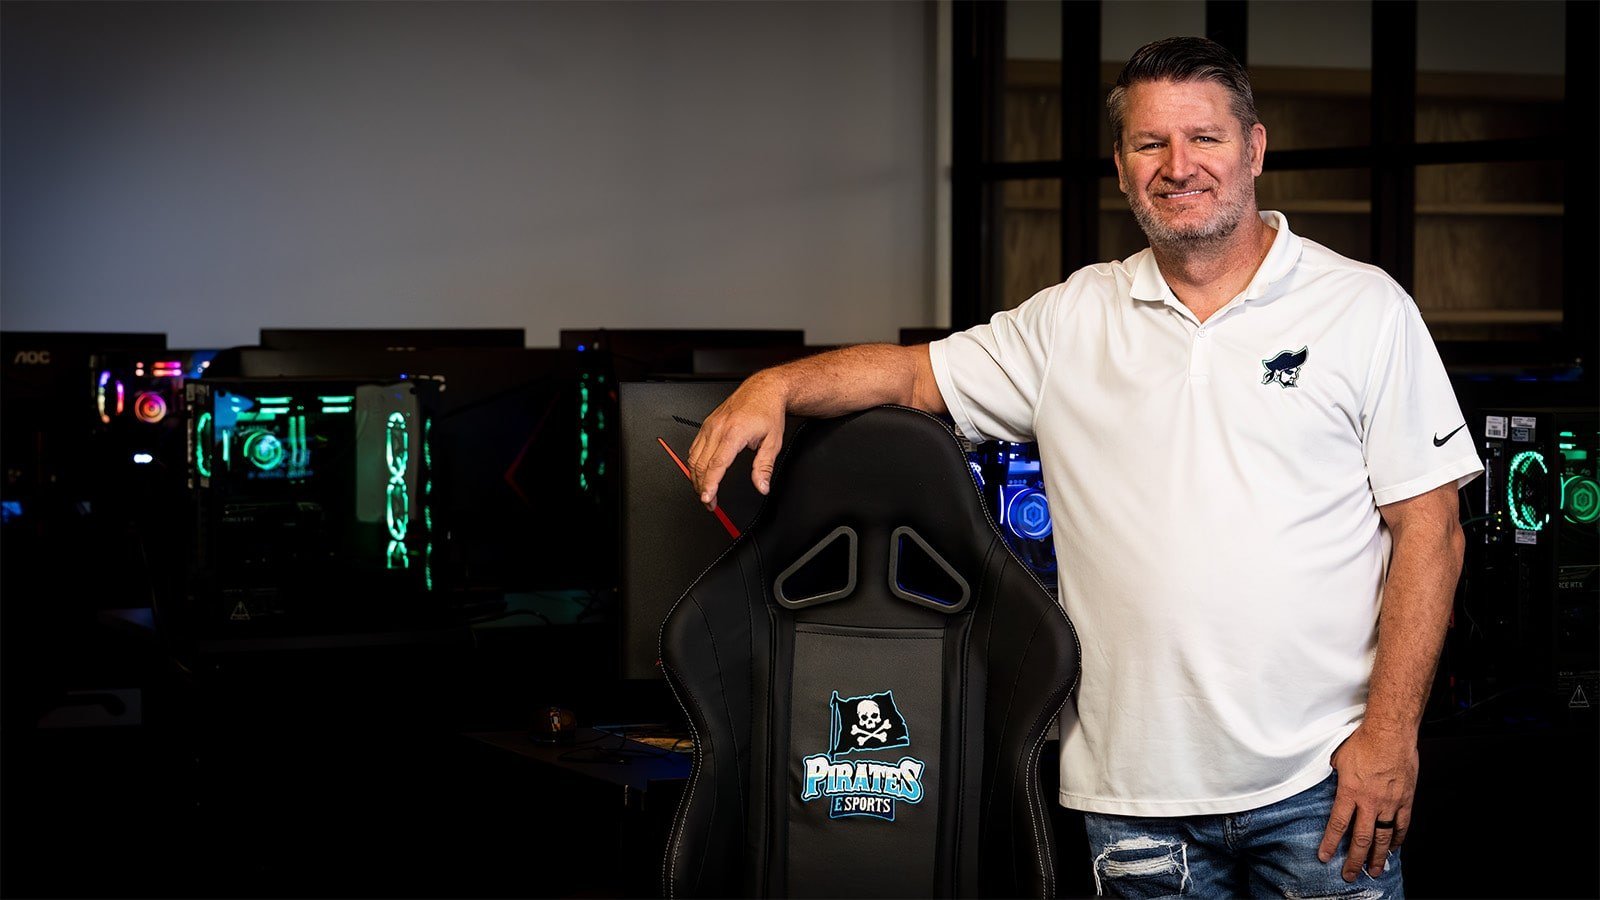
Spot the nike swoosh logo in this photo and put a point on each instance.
(1440, 441)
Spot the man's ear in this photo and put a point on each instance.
(1116, 157)
(1258, 147)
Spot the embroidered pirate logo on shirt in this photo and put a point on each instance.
(1284, 368)
(856, 786)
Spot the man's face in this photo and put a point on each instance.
(1186, 164)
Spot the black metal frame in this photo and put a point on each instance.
(1392, 155)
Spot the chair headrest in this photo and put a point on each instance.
(891, 489)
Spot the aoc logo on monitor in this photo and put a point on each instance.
(858, 786)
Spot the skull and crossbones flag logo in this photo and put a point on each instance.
(866, 724)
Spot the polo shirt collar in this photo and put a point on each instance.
(1279, 262)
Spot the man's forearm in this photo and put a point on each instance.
(1417, 598)
(855, 378)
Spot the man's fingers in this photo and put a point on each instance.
(709, 458)
(1338, 823)
(708, 478)
(1382, 841)
(1361, 844)
(766, 458)
(1402, 825)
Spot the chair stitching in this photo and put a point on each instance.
(717, 660)
(962, 709)
(766, 784)
(988, 644)
(750, 693)
(1033, 803)
(1036, 800)
(681, 820)
(715, 785)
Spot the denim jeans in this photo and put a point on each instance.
(1266, 852)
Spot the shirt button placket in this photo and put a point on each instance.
(1200, 356)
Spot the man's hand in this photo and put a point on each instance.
(1377, 781)
(752, 418)
(828, 384)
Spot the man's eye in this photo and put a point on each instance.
(1152, 146)
(1204, 138)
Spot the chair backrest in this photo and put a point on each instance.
(869, 675)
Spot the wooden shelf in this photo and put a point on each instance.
(1490, 209)
(1307, 81)
(1492, 316)
(1331, 207)
(1485, 236)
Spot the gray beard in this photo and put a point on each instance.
(1185, 240)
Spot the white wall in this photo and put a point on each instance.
(207, 169)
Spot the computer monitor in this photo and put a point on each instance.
(389, 338)
(668, 538)
(632, 354)
(741, 362)
(925, 335)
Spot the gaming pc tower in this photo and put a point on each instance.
(313, 507)
(93, 457)
(1528, 611)
(1012, 482)
(515, 437)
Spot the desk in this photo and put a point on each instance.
(613, 799)
(635, 767)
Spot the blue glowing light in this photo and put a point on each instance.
(1027, 514)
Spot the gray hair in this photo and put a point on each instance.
(1183, 59)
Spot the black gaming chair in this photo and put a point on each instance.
(869, 675)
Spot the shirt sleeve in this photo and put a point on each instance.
(991, 375)
(1414, 436)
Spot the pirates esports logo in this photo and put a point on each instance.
(855, 786)
(1285, 367)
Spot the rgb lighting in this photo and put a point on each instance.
(264, 450)
(397, 515)
(1520, 490)
(336, 403)
(583, 459)
(1580, 500)
(102, 392)
(427, 509)
(202, 445)
(295, 441)
(149, 407)
(1028, 514)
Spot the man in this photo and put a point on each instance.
(1252, 455)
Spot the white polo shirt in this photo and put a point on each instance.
(1215, 493)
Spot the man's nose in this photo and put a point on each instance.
(1179, 165)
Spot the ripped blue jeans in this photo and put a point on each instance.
(1266, 852)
